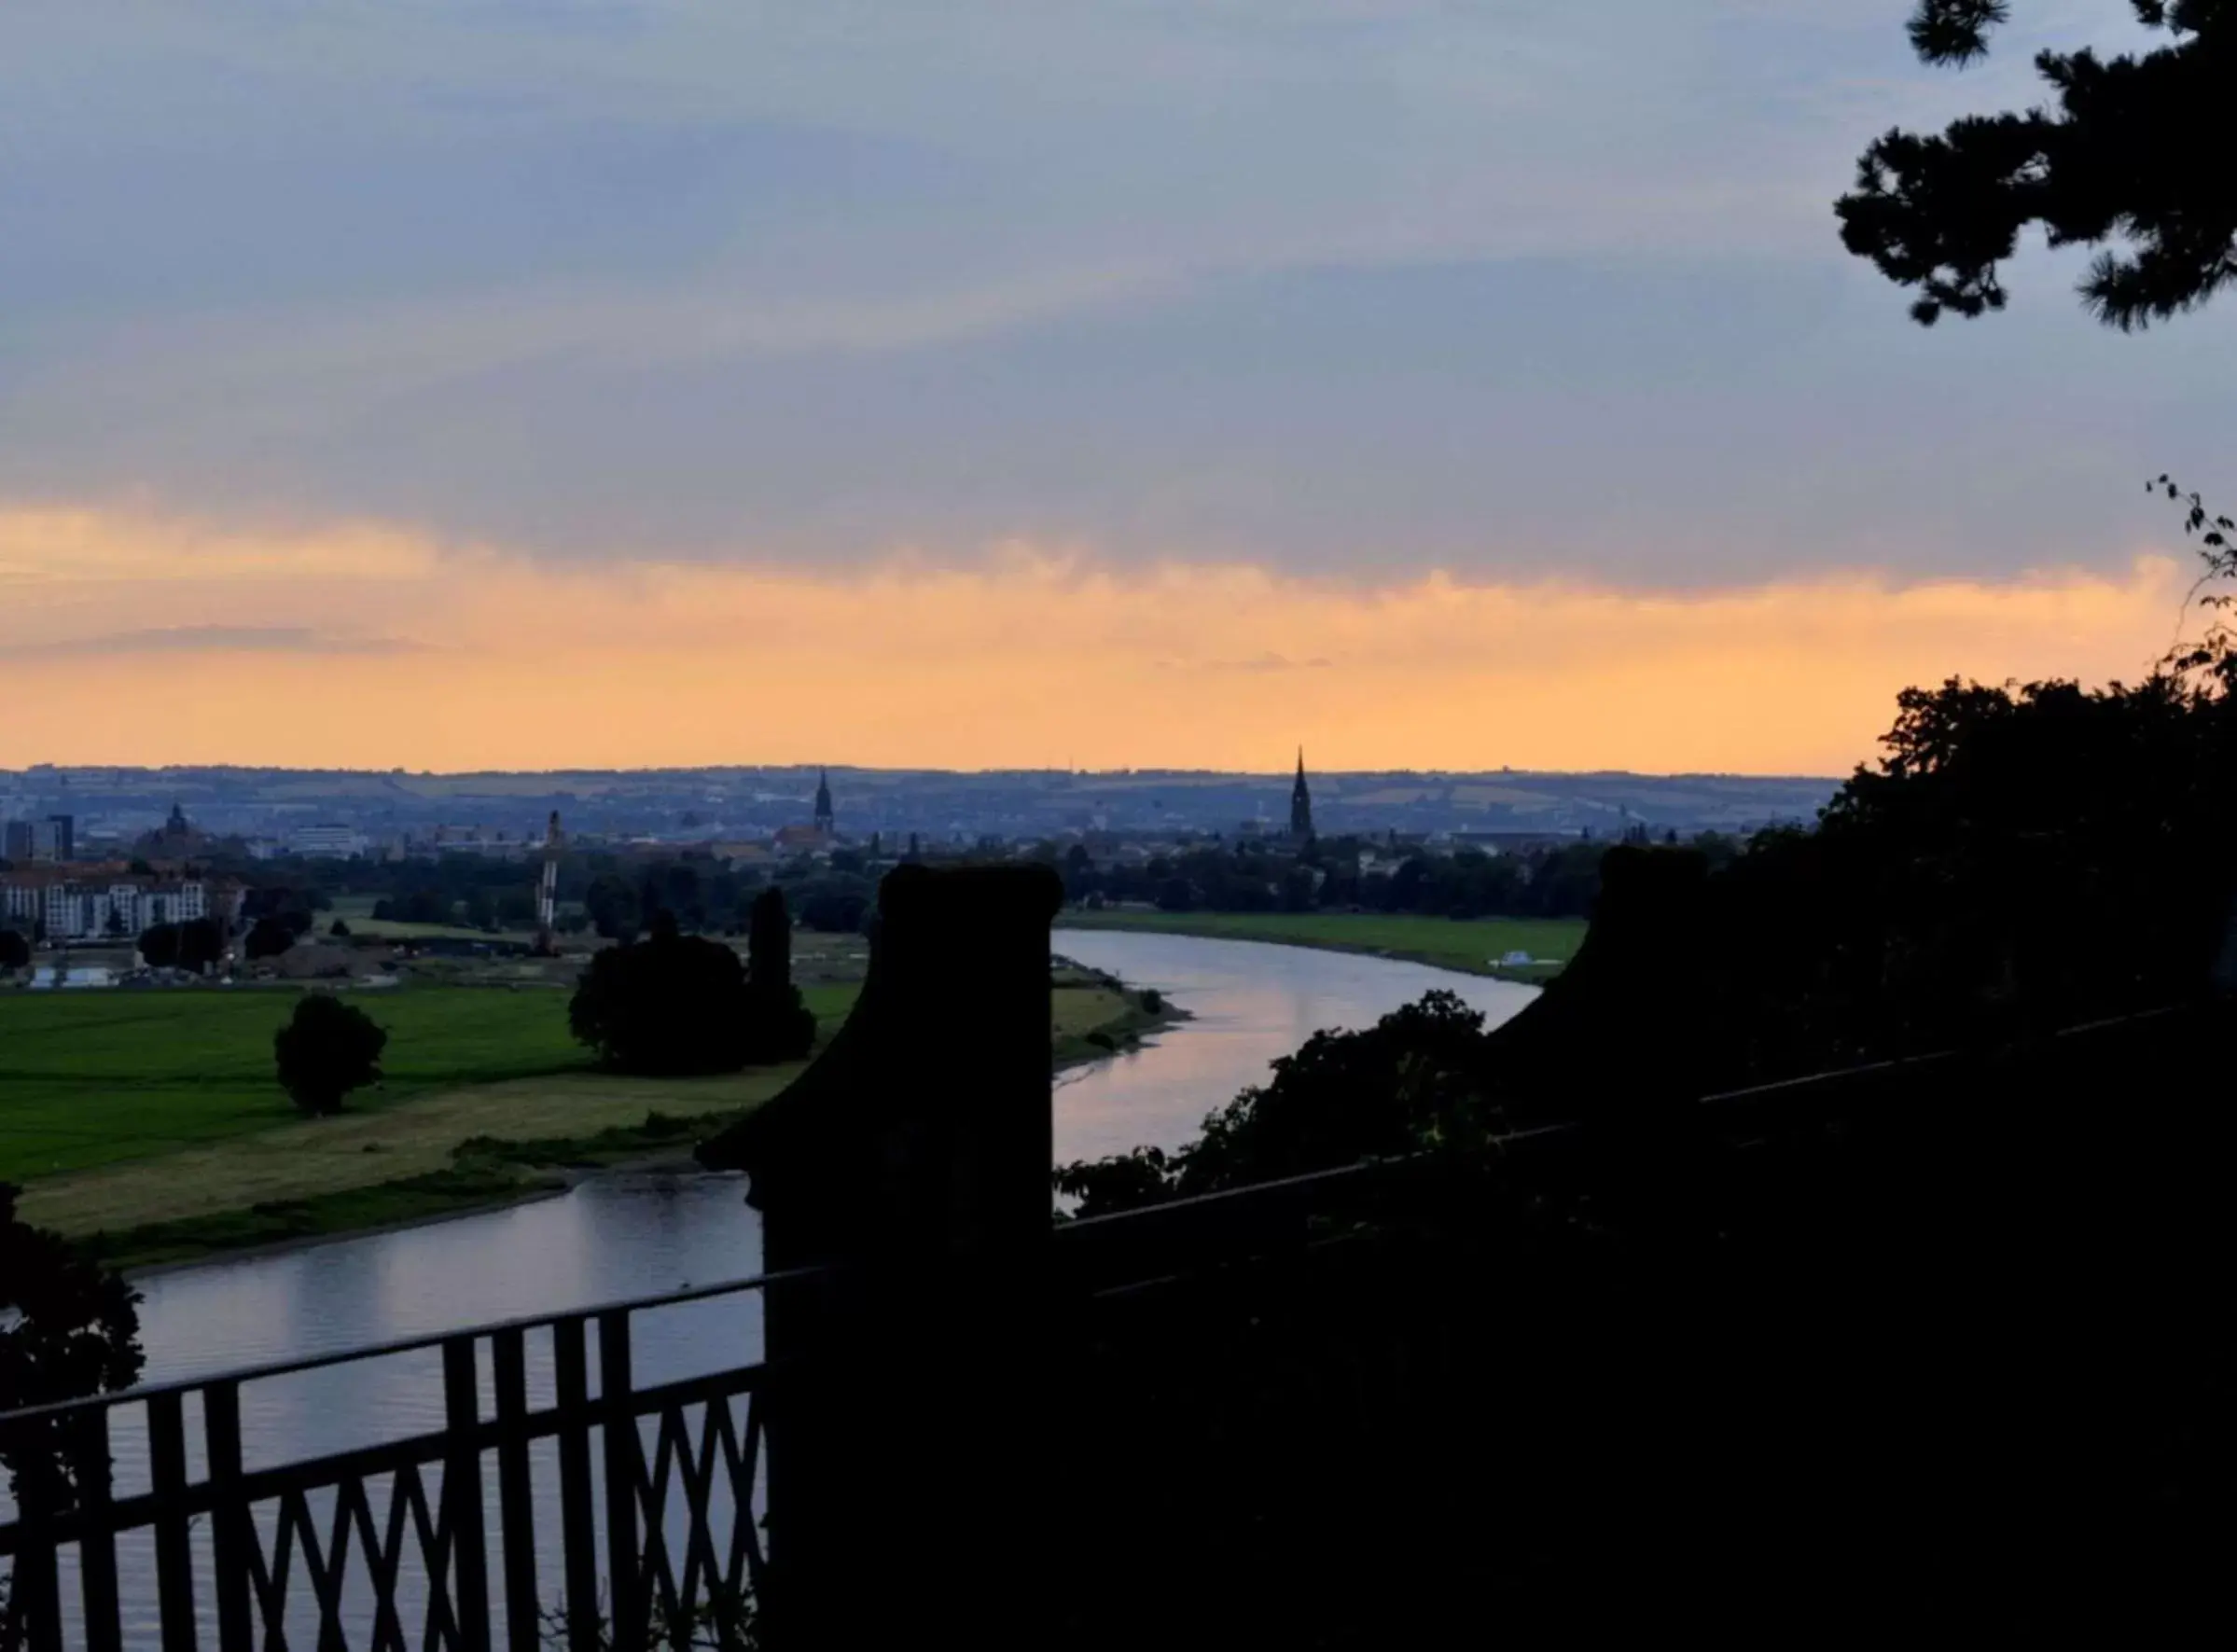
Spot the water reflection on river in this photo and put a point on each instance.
(633, 1235)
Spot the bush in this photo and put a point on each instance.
(159, 946)
(268, 937)
(667, 1005)
(1404, 1085)
(782, 1028)
(68, 1328)
(15, 951)
(326, 1050)
(202, 943)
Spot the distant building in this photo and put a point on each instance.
(326, 841)
(55, 839)
(824, 822)
(1300, 803)
(797, 839)
(94, 909)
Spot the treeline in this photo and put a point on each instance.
(615, 896)
(2023, 861)
(1554, 881)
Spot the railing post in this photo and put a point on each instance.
(579, 1530)
(624, 1467)
(233, 1532)
(462, 1493)
(96, 1541)
(174, 1552)
(516, 1491)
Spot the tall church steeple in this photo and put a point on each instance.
(1300, 803)
(823, 802)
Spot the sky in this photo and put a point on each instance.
(1450, 383)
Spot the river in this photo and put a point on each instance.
(631, 1235)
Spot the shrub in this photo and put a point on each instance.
(667, 1005)
(326, 1050)
(268, 937)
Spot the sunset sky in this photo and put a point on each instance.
(521, 383)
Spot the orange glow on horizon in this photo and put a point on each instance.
(135, 641)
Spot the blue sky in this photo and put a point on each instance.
(1353, 292)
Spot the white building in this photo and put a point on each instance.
(86, 911)
(326, 843)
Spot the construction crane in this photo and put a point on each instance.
(548, 891)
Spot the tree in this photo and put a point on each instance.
(611, 903)
(339, 929)
(202, 943)
(326, 1050)
(15, 951)
(668, 1006)
(68, 1328)
(114, 927)
(781, 1026)
(2136, 154)
(1410, 1082)
(159, 946)
(268, 937)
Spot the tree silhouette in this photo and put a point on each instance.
(159, 946)
(268, 937)
(781, 1026)
(668, 1006)
(68, 1328)
(15, 951)
(202, 943)
(2137, 153)
(326, 1050)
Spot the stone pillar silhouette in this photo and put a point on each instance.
(911, 1164)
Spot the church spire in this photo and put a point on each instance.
(822, 801)
(1300, 803)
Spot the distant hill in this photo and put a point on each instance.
(686, 803)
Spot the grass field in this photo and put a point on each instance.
(87, 1079)
(153, 1119)
(1472, 945)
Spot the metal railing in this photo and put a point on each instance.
(650, 1508)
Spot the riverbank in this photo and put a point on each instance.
(261, 1177)
(1472, 946)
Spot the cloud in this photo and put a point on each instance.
(206, 638)
(1328, 285)
(1030, 654)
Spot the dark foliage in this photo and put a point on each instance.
(836, 904)
(2134, 155)
(1411, 1082)
(326, 1050)
(202, 943)
(339, 930)
(780, 1026)
(268, 937)
(159, 946)
(195, 944)
(68, 1328)
(1345, 874)
(669, 1005)
(2024, 858)
(15, 951)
